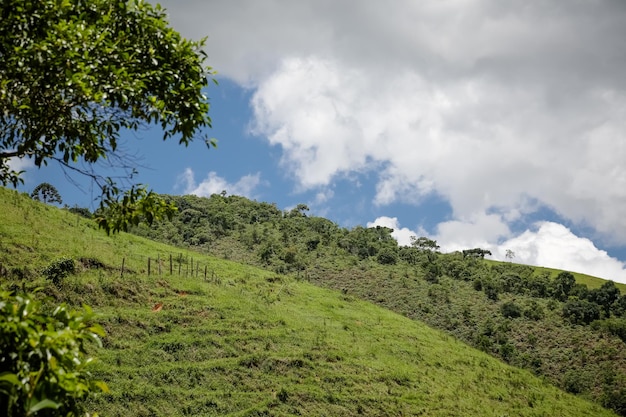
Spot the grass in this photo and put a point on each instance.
(247, 342)
(590, 281)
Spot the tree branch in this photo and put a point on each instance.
(11, 154)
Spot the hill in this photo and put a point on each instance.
(191, 334)
(569, 328)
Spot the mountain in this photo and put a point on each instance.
(190, 333)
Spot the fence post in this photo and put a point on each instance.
(205, 272)
(122, 274)
(148, 266)
(159, 262)
(170, 264)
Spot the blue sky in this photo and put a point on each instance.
(480, 123)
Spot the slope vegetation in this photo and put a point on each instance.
(569, 328)
(196, 335)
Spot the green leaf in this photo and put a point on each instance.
(10, 378)
(42, 405)
(102, 385)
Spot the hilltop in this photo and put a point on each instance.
(190, 333)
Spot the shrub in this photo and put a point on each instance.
(507, 351)
(491, 290)
(534, 311)
(613, 326)
(59, 269)
(615, 399)
(576, 382)
(81, 211)
(42, 358)
(605, 296)
(511, 310)
(387, 257)
(580, 311)
(563, 285)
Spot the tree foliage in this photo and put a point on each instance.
(47, 193)
(580, 311)
(563, 285)
(424, 243)
(43, 359)
(476, 253)
(74, 74)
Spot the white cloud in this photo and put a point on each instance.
(548, 244)
(554, 245)
(20, 164)
(488, 104)
(214, 184)
(401, 234)
(481, 231)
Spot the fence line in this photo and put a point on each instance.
(192, 269)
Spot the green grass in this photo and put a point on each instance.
(590, 281)
(246, 342)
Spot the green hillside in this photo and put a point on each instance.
(568, 328)
(222, 338)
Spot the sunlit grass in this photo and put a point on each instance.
(243, 341)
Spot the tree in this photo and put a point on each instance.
(476, 253)
(509, 255)
(605, 296)
(563, 285)
(73, 74)
(580, 311)
(47, 193)
(424, 243)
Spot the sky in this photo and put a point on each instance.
(477, 123)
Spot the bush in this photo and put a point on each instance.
(615, 399)
(580, 311)
(387, 257)
(81, 211)
(59, 269)
(42, 358)
(534, 311)
(491, 290)
(576, 382)
(616, 327)
(511, 310)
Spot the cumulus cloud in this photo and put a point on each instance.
(20, 164)
(547, 244)
(554, 245)
(214, 184)
(401, 234)
(496, 107)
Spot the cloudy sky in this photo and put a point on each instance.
(474, 122)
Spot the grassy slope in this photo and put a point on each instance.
(590, 281)
(245, 342)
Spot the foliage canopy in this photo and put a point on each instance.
(74, 74)
(47, 193)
